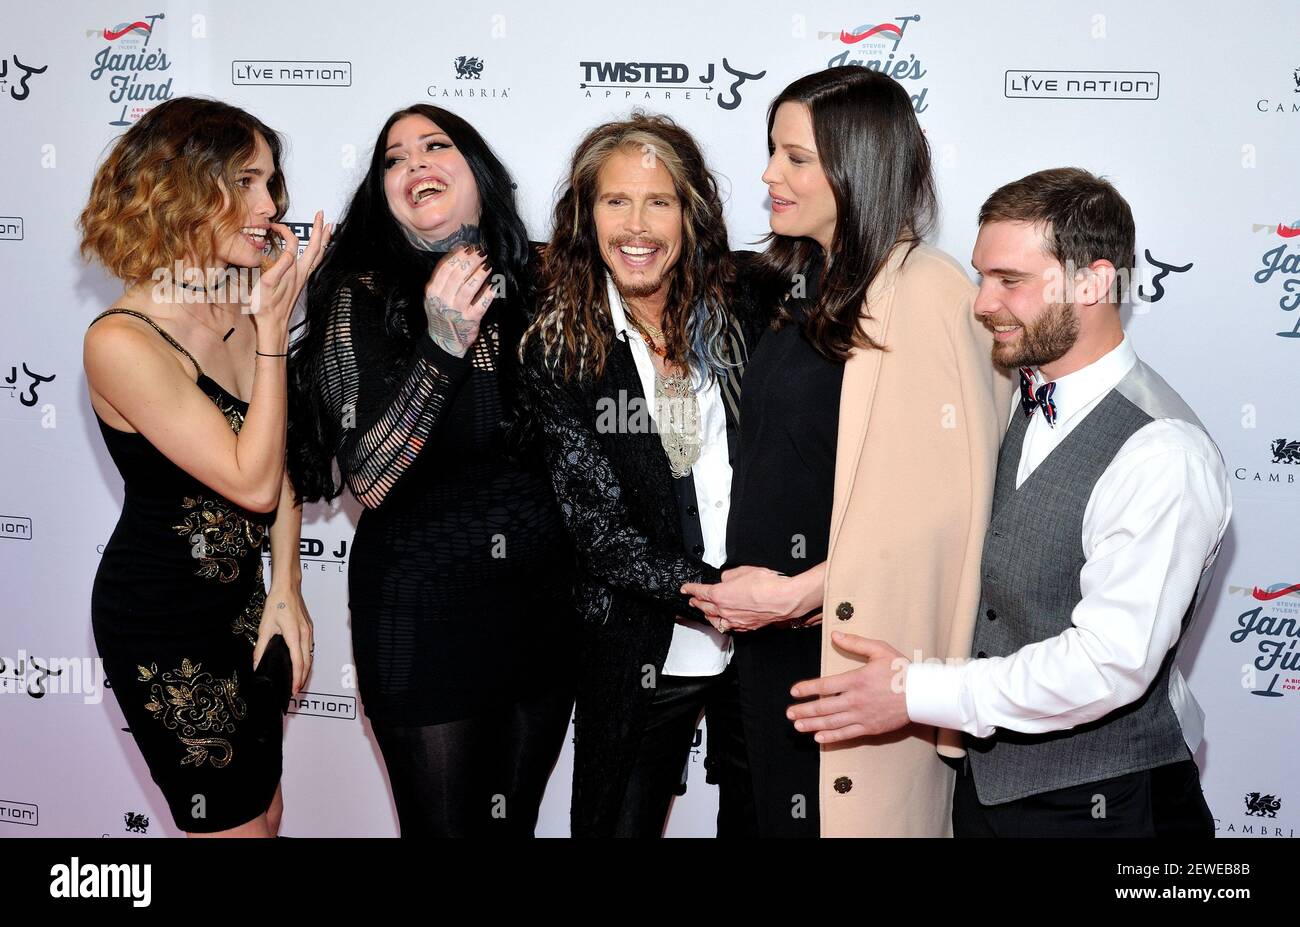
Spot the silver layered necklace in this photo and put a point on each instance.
(677, 408)
(677, 414)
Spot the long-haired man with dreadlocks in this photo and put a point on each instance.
(633, 365)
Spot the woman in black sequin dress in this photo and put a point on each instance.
(178, 600)
(460, 573)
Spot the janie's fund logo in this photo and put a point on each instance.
(1282, 263)
(877, 46)
(131, 64)
(1272, 626)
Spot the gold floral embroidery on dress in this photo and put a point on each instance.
(232, 414)
(192, 702)
(219, 537)
(250, 619)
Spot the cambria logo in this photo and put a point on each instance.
(1264, 806)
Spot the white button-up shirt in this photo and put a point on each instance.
(697, 649)
(1153, 524)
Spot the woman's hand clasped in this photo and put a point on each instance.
(749, 598)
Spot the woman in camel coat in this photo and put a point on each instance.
(864, 480)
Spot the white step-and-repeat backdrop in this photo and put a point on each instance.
(1191, 107)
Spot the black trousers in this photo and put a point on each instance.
(661, 760)
(1162, 802)
(785, 764)
(481, 776)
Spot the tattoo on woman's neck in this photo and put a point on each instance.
(466, 235)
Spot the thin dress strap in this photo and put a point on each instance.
(158, 328)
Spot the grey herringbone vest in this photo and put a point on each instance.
(1033, 554)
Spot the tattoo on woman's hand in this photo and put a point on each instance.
(448, 326)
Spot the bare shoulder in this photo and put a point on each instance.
(124, 347)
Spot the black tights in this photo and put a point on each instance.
(479, 776)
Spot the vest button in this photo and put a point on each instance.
(992, 615)
(843, 784)
(698, 549)
(692, 511)
(982, 655)
(844, 611)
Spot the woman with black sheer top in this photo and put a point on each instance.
(460, 572)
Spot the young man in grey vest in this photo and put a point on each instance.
(1108, 510)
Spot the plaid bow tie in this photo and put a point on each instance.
(1040, 398)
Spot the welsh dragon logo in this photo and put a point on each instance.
(1264, 806)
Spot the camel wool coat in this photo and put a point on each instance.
(919, 430)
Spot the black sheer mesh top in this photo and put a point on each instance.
(460, 571)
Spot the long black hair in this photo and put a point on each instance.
(369, 242)
(877, 162)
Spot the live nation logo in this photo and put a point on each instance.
(323, 705)
(1271, 623)
(878, 46)
(16, 527)
(291, 73)
(132, 65)
(1025, 84)
(19, 812)
(466, 82)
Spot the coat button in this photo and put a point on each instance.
(843, 784)
(992, 615)
(698, 549)
(692, 510)
(982, 655)
(844, 611)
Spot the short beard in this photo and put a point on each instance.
(1047, 340)
(638, 290)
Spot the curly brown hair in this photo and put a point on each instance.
(573, 328)
(158, 196)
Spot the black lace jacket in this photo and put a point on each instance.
(615, 492)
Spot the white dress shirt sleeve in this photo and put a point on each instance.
(1153, 524)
